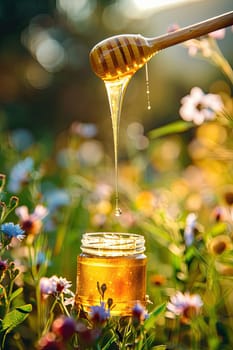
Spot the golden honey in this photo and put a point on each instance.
(114, 260)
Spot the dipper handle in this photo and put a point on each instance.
(191, 32)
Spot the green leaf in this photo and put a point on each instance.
(149, 323)
(15, 317)
(159, 347)
(16, 293)
(172, 128)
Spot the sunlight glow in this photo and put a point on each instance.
(141, 8)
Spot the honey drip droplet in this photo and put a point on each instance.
(147, 88)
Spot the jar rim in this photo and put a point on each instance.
(112, 243)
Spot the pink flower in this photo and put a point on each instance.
(31, 223)
(185, 305)
(55, 286)
(64, 327)
(49, 342)
(199, 107)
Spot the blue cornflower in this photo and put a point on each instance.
(11, 230)
(99, 314)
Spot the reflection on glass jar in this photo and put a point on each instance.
(115, 261)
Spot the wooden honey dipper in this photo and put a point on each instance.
(122, 55)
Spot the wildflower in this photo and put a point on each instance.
(99, 314)
(190, 226)
(49, 342)
(139, 314)
(55, 286)
(64, 327)
(199, 107)
(11, 230)
(20, 174)
(219, 244)
(31, 223)
(185, 305)
(158, 280)
(46, 287)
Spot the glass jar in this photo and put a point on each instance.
(111, 267)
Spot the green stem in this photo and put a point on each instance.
(62, 306)
(8, 297)
(50, 318)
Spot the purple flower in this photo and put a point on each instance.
(139, 313)
(11, 230)
(99, 314)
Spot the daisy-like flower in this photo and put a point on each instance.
(199, 107)
(99, 314)
(31, 223)
(55, 286)
(186, 306)
(20, 174)
(190, 226)
(11, 230)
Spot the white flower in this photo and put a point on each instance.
(199, 107)
(185, 305)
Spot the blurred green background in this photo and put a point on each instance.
(46, 81)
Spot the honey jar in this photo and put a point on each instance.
(111, 267)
